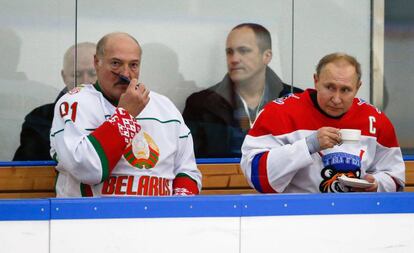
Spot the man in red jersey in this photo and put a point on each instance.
(287, 148)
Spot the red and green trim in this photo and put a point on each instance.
(86, 190)
(109, 145)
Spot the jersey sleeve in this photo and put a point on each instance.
(84, 145)
(270, 159)
(188, 178)
(388, 166)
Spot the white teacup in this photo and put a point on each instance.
(350, 135)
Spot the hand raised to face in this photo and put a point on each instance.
(135, 98)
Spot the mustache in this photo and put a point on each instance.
(123, 80)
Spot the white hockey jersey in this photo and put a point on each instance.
(94, 160)
(276, 158)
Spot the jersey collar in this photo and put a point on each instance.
(313, 95)
(98, 88)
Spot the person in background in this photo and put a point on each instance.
(286, 151)
(34, 136)
(85, 71)
(115, 138)
(220, 116)
(20, 93)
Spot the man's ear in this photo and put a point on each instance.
(359, 84)
(95, 61)
(267, 56)
(62, 74)
(315, 79)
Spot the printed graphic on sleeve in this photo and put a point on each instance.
(338, 164)
(142, 152)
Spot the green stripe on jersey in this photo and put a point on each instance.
(55, 157)
(82, 189)
(185, 175)
(185, 136)
(102, 157)
(163, 122)
(61, 130)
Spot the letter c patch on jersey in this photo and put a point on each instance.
(372, 129)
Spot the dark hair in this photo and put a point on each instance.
(264, 41)
(339, 56)
(100, 46)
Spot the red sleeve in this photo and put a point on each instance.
(386, 133)
(111, 138)
(184, 185)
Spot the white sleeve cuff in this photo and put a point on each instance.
(385, 183)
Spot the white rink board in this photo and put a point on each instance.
(153, 235)
(329, 233)
(313, 233)
(24, 236)
(349, 222)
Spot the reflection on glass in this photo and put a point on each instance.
(34, 35)
(18, 95)
(183, 46)
(171, 82)
(34, 136)
(220, 116)
(398, 69)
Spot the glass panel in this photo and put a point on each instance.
(34, 36)
(398, 69)
(326, 26)
(184, 41)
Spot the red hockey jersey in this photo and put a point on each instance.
(276, 158)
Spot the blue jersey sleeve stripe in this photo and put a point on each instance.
(255, 172)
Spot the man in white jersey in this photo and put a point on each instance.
(293, 145)
(115, 138)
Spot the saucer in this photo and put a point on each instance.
(354, 182)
